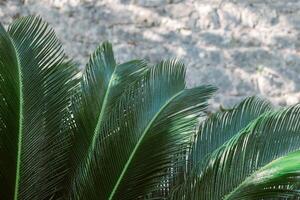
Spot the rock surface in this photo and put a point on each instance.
(245, 47)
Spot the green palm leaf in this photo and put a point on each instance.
(143, 129)
(213, 133)
(279, 179)
(270, 136)
(35, 90)
(9, 114)
(100, 91)
(220, 127)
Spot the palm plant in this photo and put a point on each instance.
(131, 130)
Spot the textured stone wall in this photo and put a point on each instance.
(245, 47)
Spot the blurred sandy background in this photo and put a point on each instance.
(244, 47)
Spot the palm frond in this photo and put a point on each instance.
(100, 91)
(142, 135)
(9, 114)
(213, 132)
(36, 92)
(223, 125)
(280, 179)
(270, 136)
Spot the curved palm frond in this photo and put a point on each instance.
(270, 136)
(279, 179)
(9, 114)
(222, 126)
(101, 87)
(213, 133)
(35, 89)
(144, 129)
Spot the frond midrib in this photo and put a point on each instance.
(20, 131)
(229, 195)
(248, 177)
(139, 143)
(87, 161)
(100, 118)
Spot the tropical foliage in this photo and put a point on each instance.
(131, 130)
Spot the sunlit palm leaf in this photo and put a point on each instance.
(222, 126)
(141, 137)
(280, 179)
(214, 132)
(35, 89)
(102, 85)
(269, 137)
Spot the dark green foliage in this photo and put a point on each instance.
(130, 130)
(36, 87)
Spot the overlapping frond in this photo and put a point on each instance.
(213, 133)
(279, 179)
(142, 134)
(129, 131)
(270, 136)
(36, 90)
(223, 125)
(101, 89)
